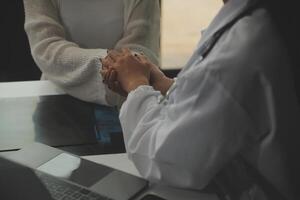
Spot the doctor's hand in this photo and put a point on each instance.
(127, 69)
(158, 80)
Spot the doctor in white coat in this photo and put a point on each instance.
(223, 118)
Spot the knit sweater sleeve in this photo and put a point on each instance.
(74, 69)
(142, 28)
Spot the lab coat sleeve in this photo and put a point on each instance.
(186, 142)
(74, 69)
(142, 31)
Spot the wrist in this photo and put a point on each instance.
(132, 85)
(163, 84)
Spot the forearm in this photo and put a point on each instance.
(163, 84)
(72, 68)
(150, 135)
(142, 28)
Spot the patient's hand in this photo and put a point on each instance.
(131, 71)
(110, 79)
(157, 78)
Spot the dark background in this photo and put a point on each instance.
(16, 61)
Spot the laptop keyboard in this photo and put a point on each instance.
(61, 190)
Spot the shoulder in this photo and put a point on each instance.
(255, 36)
(255, 27)
(253, 32)
(249, 55)
(252, 45)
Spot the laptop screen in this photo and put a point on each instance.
(20, 183)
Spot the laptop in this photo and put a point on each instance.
(39, 171)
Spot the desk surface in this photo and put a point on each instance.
(28, 88)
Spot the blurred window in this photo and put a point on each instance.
(182, 22)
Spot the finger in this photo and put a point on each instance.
(106, 76)
(103, 63)
(109, 61)
(107, 58)
(102, 72)
(111, 86)
(135, 54)
(139, 57)
(113, 76)
(126, 51)
(143, 57)
(115, 86)
(118, 88)
(113, 55)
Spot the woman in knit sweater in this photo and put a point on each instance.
(69, 37)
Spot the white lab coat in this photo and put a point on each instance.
(237, 102)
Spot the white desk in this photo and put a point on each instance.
(28, 88)
(117, 161)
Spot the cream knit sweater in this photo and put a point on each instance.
(76, 69)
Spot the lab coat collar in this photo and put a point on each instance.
(228, 12)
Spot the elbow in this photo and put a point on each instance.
(170, 174)
(41, 56)
(42, 64)
(37, 59)
(184, 178)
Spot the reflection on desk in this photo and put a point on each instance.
(56, 120)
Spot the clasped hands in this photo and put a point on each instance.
(124, 71)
